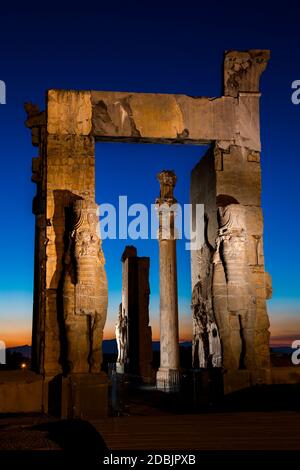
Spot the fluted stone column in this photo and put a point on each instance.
(168, 375)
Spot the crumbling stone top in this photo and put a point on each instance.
(129, 252)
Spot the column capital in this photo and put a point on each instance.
(167, 180)
(166, 205)
(242, 70)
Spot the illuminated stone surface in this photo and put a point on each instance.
(168, 377)
(228, 174)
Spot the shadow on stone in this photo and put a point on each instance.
(76, 438)
(54, 396)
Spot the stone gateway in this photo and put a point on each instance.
(229, 282)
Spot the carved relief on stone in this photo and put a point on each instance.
(206, 348)
(200, 321)
(231, 242)
(87, 253)
(236, 315)
(215, 349)
(121, 337)
(36, 121)
(84, 290)
(242, 70)
(258, 250)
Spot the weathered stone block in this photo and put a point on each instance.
(242, 70)
(151, 117)
(20, 391)
(85, 396)
(239, 179)
(69, 112)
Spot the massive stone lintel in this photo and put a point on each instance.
(155, 118)
(141, 117)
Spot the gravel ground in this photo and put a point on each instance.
(18, 433)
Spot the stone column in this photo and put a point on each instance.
(168, 376)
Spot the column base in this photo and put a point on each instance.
(168, 380)
(238, 379)
(120, 368)
(85, 396)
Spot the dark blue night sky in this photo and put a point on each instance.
(169, 47)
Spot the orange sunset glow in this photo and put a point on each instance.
(284, 330)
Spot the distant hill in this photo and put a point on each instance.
(109, 347)
(185, 344)
(282, 350)
(182, 344)
(24, 350)
(281, 356)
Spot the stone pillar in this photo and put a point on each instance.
(84, 303)
(227, 181)
(70, 299)
(168, 375)
(133, 331)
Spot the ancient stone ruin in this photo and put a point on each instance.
(133, 333)
(229, 283)
(168, 374)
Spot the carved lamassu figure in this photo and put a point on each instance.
(233, 301)
(84, 290)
